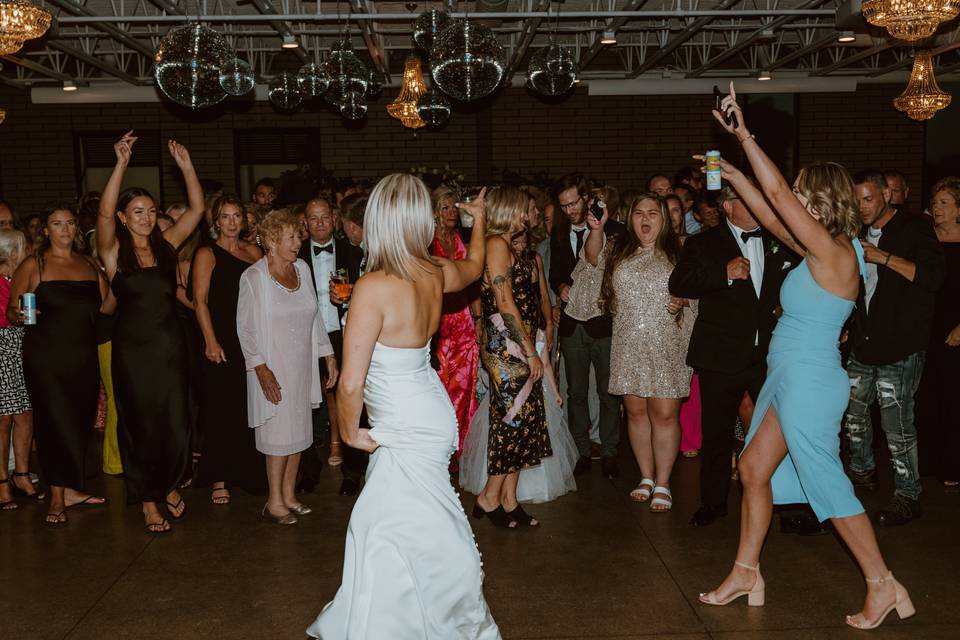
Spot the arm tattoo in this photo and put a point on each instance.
(498, 284)
(513, 328)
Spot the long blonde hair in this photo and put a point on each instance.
(398, 226)
(829, 191)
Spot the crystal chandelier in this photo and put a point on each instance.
(910, 19)
(404, 108)
(20, 21)
(922, 98)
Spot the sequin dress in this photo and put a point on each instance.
(648, 350)
(518, 426)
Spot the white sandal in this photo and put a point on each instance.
(661, 498)
(643, 490)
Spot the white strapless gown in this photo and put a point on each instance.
(411, 568)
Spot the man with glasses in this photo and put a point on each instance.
(584, 331)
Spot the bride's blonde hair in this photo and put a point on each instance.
(398, 225)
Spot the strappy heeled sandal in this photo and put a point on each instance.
(662, 500)
(643, 490)
(36, 496)
(8, 505)
(901, 603)
(755, 596)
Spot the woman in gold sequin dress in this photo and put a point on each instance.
(651, 331)
(518, 435)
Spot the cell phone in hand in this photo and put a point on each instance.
(729, 118)
(596, 210)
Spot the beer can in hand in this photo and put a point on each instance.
(713, 171)
(28, 307)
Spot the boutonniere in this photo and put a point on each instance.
(773, 246)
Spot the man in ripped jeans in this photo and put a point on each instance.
(905, 267)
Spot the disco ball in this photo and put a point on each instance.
(313, 80)
(284, 91)
(236, 77)
(346, 72)
(467, 60)
(433, 108)
(188, 63)
(354, 105)
(428, 25)
(552, 70)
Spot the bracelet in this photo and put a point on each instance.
(532, 356)
(887, 261)
(749, 137)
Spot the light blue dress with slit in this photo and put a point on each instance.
(808, 389)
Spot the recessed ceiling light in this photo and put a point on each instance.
(289, 42)
(69, 85)
(846, 36)
(764, 75)
(609, 37)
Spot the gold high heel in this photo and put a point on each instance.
(755, 596)
(287, 518)
(901, 603)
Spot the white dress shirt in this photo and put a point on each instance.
(573, 239)
(752, 250)
(323, 265)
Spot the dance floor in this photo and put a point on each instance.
(599, 567)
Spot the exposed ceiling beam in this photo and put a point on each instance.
(909, 59)
(948, 69)
(374, 41)
(749, 40)
(74, 8)
(283, 28)
(37, 67)
(170, 7)
(691, 30)
(587, 56)
(802, 52)
(527, 32)
(866, 53)
(94, 61)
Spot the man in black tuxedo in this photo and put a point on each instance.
(325, 253)
(584, 333)
(735, 270)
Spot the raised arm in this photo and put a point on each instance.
(359, 338)
(595, 239)
(807, 230)
(498, 270)
(182, 229)
(107, 244)
(459, 274)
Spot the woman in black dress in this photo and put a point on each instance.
(149, 364)
(230, 457)
(60, 355)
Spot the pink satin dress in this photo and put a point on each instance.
(457, 348)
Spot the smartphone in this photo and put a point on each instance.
(727, 117)
(596, 210)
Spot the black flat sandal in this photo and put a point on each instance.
(522, 518)
(56, 519)
(498, 516)
(36, 496)
(173, 508)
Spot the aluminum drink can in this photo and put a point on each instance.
(713, 171)
(28, 306)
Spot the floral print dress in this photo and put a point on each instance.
(518, 425)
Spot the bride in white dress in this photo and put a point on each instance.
(411, 567)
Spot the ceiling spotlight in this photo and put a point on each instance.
(846, 36)
(764, 75)
(290, 42)
(609, 37)
(69, 85)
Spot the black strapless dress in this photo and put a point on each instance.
(63, 377)
(229, 448)
(149, 369)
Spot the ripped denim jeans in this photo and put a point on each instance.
(894, 385)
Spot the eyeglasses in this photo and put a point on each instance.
(570, 205)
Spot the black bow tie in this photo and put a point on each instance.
(317, 250)
(746, 235)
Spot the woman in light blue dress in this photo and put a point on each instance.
(793, 447)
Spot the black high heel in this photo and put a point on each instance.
(522, 518)
(37, 495)
(498, 516)
(8, 505)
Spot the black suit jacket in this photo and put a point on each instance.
(346, 257)
(730, 316)
(562, 262)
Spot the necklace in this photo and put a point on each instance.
(283, 288)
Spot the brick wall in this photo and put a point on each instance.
(622, 139)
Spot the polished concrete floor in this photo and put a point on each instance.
(599, 567)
